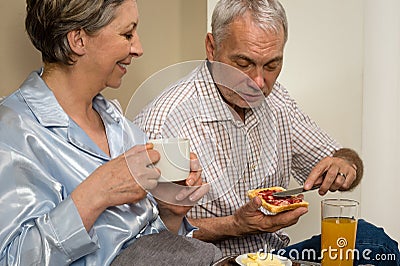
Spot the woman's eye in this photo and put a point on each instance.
(128, 36)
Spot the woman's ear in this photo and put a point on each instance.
(210, 46)
(76, 40)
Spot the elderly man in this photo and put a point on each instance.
(247, 130)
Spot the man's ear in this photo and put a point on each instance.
(210, 47)
(76, 40)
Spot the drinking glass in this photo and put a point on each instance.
(338, 231)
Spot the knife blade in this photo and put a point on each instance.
(293, 191)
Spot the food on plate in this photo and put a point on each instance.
(276, 204)
(261, 259)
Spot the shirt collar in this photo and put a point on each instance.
(42, 102)
(214, 107)
(48, 111)
(45, 107)
(217, 109)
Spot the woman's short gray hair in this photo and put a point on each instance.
(268, 14)
(48, 22)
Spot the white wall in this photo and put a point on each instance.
(323, 72)
(381, 117)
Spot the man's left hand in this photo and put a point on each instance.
(341, 172)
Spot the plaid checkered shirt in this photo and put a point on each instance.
(276, 141)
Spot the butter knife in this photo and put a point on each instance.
(293, 191)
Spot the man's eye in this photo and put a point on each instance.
(242, 64)
(272, 66)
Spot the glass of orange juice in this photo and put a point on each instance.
(338, 231)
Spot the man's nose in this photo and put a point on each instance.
(258, 77)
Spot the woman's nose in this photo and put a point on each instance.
(136, 47)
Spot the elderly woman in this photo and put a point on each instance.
(74, 172)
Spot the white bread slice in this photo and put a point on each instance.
(277, 205)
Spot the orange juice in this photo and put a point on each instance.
(338, 241)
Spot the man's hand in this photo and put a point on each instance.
(341, 172)
(250, 220)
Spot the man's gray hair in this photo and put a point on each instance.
(268, 14)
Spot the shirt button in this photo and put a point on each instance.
(254, 166)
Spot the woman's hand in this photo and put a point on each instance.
(123, 180)
(176, 199)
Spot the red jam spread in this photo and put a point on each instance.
(267, 195)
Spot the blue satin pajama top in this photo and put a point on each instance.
(44, 155)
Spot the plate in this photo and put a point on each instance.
(285, 261)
